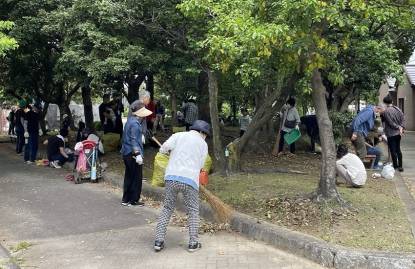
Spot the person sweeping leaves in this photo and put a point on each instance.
(188, 152)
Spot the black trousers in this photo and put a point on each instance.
(282, 141)
(133, 180)
(394, 143)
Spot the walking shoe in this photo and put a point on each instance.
(124, 203)
(136, 204)
(194, 247)
(400, 169)
(55, 164)
(29, 162)
(158, 246)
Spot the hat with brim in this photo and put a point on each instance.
(138, 108)
(142, 112)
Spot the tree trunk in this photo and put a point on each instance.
(150, 84)
(88, 109)
(262, 116)
(173, 100)
(65, 109)
(218, 150)
(327, 185)
(203, 102)
(42, 117)
(133, 84)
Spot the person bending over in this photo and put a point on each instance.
(350, 168)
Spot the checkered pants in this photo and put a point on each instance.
(191, 201)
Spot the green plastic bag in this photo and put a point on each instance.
(160, 164)
(292, 136)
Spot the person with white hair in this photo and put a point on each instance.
(145, 97)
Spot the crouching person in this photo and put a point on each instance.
(188, 152)
(57, 154)
(350, 168)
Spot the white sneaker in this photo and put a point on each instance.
(29, 162)
(55, 164)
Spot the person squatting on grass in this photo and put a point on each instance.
(188, 152)
(132, 151)
(350, 167)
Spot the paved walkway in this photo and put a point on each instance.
(408, 151)
(83, 226)
(405, 184)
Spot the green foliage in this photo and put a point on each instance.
(6, 43)
(340, 123)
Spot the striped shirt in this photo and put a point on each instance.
(393, 118)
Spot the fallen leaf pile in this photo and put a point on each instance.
(205, 226)
(302, 212)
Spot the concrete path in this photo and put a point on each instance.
(408, 151)
(83, 226)
(405, 181)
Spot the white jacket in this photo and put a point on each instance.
(354, 167)
(188, 152)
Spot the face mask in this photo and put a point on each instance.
(380, 129)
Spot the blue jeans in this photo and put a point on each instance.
(30, 149)
(374, 151)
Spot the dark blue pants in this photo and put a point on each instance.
(30, 149)
(133, 180)
(19, 139)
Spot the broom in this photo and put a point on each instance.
(222, 210)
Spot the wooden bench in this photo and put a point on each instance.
(369, 161)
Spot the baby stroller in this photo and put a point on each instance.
(88, 164)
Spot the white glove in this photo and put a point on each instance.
(139, 159)
(164, 151)
(297, 127)
(26, 135)
(40, 132)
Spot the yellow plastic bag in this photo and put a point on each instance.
(208, 164)
(160, 164)
(178, 129)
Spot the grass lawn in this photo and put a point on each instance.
(379, 223)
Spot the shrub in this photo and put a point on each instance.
(340, 120)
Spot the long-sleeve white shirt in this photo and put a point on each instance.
(354, 167)
(188, 152)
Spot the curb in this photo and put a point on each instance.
(309, 247)
(5, 261)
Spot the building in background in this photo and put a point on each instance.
(403, 94)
